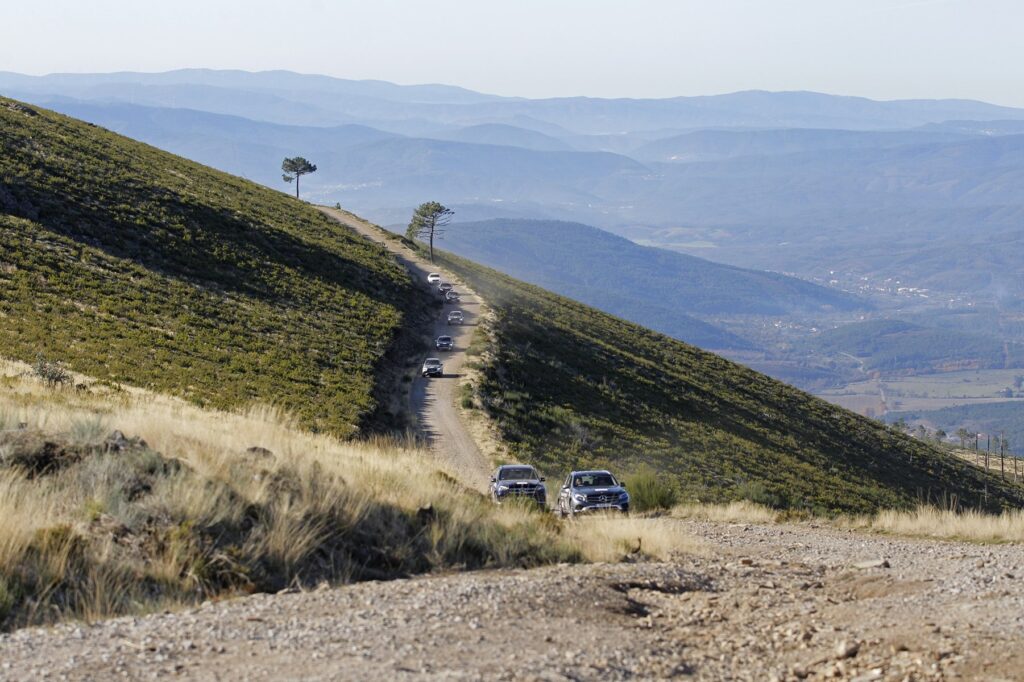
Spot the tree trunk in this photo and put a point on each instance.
(297, 176)
(431, 246)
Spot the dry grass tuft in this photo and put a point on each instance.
(613, 538)
(742, 511)
(931, 522)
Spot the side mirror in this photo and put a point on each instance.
(565, 487)
(492, 479)
(542, 479)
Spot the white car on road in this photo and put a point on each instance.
(434, 278)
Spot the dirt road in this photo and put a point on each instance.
(433, 400)
(759, 603)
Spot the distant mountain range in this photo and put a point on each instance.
(928, 192)
(285, 97)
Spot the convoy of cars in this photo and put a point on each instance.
(582, 492)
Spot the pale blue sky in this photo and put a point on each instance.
(884, 49)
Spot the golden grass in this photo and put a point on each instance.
(215, 518)
(613, 537)
(741, 511)
(931, 522)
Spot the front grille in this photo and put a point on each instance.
(525, 489)
(602, 498)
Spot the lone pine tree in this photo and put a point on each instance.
(294, 168)
(428, 221)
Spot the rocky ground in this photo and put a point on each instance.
(761, 603)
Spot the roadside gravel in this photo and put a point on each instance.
(760, 603)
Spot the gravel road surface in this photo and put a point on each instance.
(433, 400)
(759, 603)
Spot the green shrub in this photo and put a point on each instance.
(649, 491)
(50, 373)
(758, 493)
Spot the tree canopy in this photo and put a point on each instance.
(294, 168)
(428, 221)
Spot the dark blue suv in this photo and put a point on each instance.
(513, 481)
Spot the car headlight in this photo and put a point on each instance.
(502, 488)
(579, 498)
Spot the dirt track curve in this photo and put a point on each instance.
(433, 400)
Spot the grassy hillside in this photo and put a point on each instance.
(137, 266)
(118, 501)
(892, 345)
(570, 386)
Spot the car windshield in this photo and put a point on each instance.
(591, 480)
(431, 361)
(517, 473)
(444, 339)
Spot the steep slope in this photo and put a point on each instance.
(241, 146)
(137, 266)
(570, 386)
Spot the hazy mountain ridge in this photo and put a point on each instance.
(654, 287)
(449, 105)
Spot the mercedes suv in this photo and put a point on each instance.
(518, 481)
(587, 491)
(432, 367)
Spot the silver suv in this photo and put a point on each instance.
(587, 491)
(432, 367)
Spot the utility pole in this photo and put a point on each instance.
(1002, 450)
